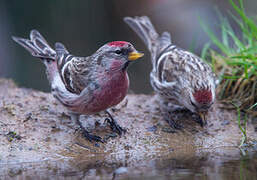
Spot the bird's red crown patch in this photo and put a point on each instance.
(203, 96)
(118, 43)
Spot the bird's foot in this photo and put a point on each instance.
(86, 134)
(172, 121)
(115, 126)
(175, 125)
(91, 137)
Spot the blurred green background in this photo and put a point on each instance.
(85, 25)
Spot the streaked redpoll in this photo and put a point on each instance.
(85, 85)
(181, 79)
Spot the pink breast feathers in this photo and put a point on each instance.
(111, 92)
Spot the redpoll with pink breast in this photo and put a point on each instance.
(85, 85)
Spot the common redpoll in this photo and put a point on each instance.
(85, 85)
(181, 79)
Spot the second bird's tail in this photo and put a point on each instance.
(146, 31)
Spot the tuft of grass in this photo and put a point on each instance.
(235, 62)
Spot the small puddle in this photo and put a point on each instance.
(208, 166)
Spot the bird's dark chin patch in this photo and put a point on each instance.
(203, 96)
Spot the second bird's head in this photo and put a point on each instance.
(117, 55)
(200, 99)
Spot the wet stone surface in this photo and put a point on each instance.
(36, 132)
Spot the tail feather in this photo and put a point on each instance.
(27, 44)
(60, 49)
(146, 31)
(40, 42)
(165, 39)
(37, 45)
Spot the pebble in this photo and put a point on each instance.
(14, 172)
(152, 129)
(121, 170)
(168, 130)
(97, 145)
(225, 122)
(27, 116)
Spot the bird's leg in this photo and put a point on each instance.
(173, 117)
(85, 133)
(113, 124)
(171, 112)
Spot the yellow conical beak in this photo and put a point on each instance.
(134, 56)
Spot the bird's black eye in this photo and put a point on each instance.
(118, 51)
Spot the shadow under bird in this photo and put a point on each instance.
(85, 85)
(181, 79)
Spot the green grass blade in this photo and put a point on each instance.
(231, 77)
(214, 39)
(224, 26)
(248, 21)
(237, 42)
(247, 36)
(255, 105)
(246, 71)
(204, 50)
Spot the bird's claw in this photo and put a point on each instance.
(92, 137)
(115, 126)
(86, 134)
